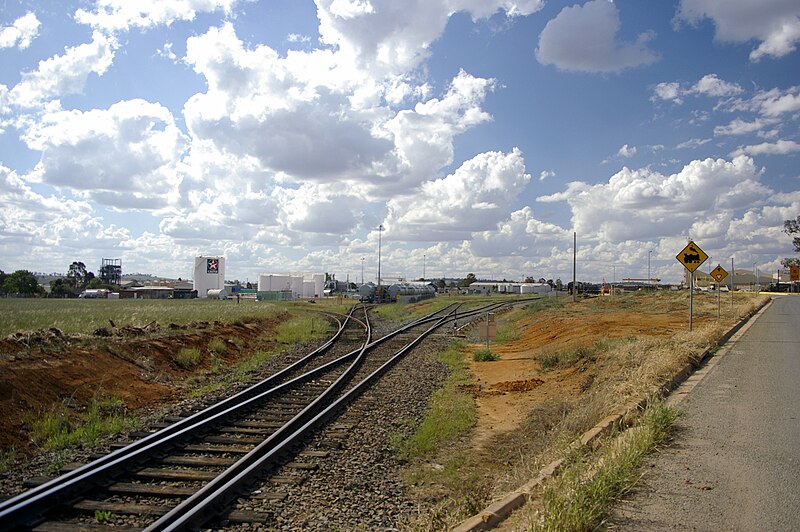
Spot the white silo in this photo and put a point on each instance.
(209, 274)
(319, 283)
(269, 282)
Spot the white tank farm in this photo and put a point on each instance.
(209, 274)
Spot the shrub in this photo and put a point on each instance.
(484, 355)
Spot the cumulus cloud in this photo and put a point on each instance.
(642, 204)
(125, 156)
(473, 198)
(122, 15)
(775, 23)
(389, 37)
(21, 32)
(64, 74)
(627, 151)
(584, 38)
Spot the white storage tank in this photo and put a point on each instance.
(209, 274)
(297, 286)
(308, 289)
(270, 282)
(218, 293)
(319, 283)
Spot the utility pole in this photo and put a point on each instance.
(574, 265)
(423, 267)
(649, 278)
(380, 230)
(362, 270)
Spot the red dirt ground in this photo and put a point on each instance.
(510, 387)
(44, 369)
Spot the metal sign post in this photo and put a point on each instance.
(719, 274)
(691, 257)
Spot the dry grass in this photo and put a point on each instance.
(624, 371)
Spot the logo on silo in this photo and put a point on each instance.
(212, 265)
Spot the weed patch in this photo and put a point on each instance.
(188, 357)
(217, 346)
(59, 428)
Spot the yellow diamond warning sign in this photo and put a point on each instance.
(692, 256)
(719, 273)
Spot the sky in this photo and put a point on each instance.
(479, 134)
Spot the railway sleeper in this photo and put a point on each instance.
(154, 473)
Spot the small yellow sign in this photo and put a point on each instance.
(719, 273)
(692, 256)
(794, 273)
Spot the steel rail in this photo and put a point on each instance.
(213, 498)
(26, 507)
(23, 507)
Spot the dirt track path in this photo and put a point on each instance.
(735, 464)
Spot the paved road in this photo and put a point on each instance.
(735, 463)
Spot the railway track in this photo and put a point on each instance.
(192, 471)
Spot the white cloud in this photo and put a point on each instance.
(544, 174)
(670, 91)
(692, 144)
(775, 102)
(473, 198)
(709, 85)
(775, 23)
(167, 53)
(781, 147)
(125, 156)
(584, 38)
(122, 15)
(389, 37)
(626, 151)
(21, 32)
(64, 74)
(741, 127)
(642, 204)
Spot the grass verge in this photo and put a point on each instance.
(581, 496)
(450, 411)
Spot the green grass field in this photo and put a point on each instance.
(84, 316)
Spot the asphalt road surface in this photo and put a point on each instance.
(735, 461)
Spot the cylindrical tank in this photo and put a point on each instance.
(319, 283)
(218, 293)
(270, 282)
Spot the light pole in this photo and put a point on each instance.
(649, 279)
(362, 270)
(380, 230)
(423, 267)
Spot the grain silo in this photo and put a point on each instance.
(209, 274)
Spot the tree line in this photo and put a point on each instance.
(78, 279)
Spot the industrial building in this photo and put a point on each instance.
(209, 274)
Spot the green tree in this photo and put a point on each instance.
(3, 277)
(61, 288)
(468, 280)
(77, 272)
(791, 227)
(96, 282)
(21, 282)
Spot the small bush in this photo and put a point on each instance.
(484, 355)
(188, 357)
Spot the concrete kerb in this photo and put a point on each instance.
(499, 511)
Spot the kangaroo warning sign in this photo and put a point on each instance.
(691, 256)
(719, 273)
